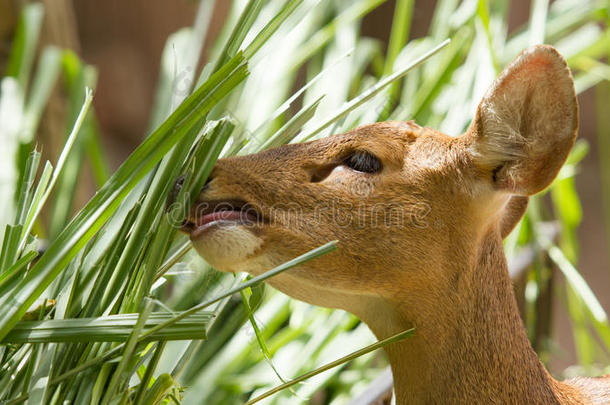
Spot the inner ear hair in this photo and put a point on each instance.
(526, 123)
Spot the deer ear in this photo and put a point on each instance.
(526, 124)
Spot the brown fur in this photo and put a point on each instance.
(420, 243)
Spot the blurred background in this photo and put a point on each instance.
(125, 40)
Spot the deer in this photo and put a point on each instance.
(420, 218)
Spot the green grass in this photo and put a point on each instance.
(112, 311)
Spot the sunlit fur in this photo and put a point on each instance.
(439, 267)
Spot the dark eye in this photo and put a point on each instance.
(362, 161)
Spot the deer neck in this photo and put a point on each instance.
(470, 345)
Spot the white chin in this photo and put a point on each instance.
(227, 247)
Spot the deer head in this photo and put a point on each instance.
(394, 194)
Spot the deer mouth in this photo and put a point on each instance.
(205, 215)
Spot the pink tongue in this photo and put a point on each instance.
(222, 216)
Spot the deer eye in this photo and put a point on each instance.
(362, 161)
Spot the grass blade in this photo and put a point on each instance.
(392, 339)
(119, 376)
(243, 25)
(110, 328)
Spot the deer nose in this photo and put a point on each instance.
(207, 183)
(178, 184)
